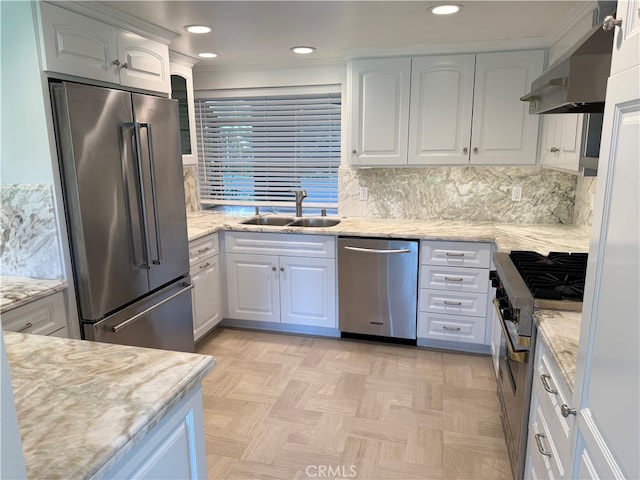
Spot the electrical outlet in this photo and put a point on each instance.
(364, 194)
(516, 194)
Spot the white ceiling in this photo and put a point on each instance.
(260, 33)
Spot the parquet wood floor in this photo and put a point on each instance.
(294, 407)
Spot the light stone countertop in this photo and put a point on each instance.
(18, 291)
(81, 405)
(507, 236)
(560, 331)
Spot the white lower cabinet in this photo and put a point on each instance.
(548, 446)
(296, 287)
(173, 449)
(452, 300)
(45, 316)
(205, 275)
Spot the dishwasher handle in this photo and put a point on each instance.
(377, 250)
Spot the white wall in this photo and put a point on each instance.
(25, 155)
(210, 79)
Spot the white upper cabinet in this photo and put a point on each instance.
(441, 102)
(626, 46)
(561, 141)
(76, 45)
(503, 132)
(144, 63)
(457, 110)
(380, 111)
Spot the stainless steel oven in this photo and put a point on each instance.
(525, 281)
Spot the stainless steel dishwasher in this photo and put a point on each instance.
(378, 287)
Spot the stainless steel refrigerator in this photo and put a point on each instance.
(120, 161)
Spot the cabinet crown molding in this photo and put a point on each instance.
(107, 14)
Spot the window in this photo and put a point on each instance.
(255, 149)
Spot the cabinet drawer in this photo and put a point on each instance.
(546, 464)
(292, 245)
(456, 303)
(203, 248)
(547, 380)
(454, 279)
(456, 254)
(42, 317)
(451, 328)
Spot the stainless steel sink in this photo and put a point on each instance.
(268, 220)
(315, 222)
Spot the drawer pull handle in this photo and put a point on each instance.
(205, 265)
(454, 254)
(566, 410)
(451, 329)
(541, 449)
(454, 279)
(205, 249)
(455, 304)
(544, 378)
(26, 327)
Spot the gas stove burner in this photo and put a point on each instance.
(557, 276)
(556, 287)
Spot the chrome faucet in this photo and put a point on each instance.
(300, 196)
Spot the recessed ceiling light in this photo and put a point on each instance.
(445, 9)
(197, 28)
(303, 50)
(208, 55)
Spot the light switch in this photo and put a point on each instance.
(364, 194)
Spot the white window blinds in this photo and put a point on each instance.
(254, 149)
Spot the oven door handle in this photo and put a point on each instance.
(519, 356)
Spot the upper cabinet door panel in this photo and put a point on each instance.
(77, 45)
(380, 105)
(441, 101)
(503, 132)
(627, 34)
(143, 63)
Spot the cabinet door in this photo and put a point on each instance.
(607, 393)
(308, 291)
(503, 132)
(562, 136)
(252, 287)
(626, 47)
(206, 296)
(379, 111)
(76, 45)
(441, 101)
(144, 63)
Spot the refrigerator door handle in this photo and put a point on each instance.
(154, 197)
(143, 206)
(129, 321)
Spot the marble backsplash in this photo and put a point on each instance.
(29, 241)
(191, 194)
(583, 212)
(459, 193)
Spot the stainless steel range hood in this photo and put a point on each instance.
(577, 82)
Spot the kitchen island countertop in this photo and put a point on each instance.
(81, 405)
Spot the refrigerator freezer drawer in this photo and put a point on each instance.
(162, 320)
